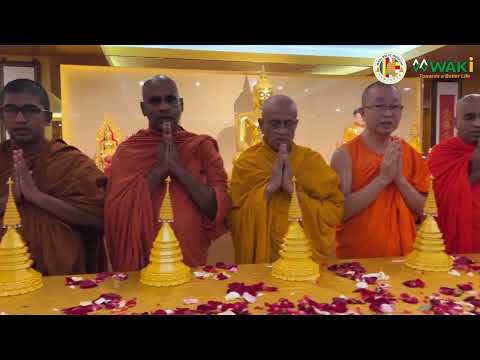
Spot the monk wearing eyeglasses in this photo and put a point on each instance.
(384, 180)
(59, 191)
(261, 189)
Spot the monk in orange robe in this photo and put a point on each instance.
(136, 184)
(455, 165)
(261, 189)
(59, 191)
(384, 180)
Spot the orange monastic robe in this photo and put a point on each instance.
(387, 227)
(131, 212)
(258, 225)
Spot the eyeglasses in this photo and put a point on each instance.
(28, 111)
(383, 108)
(288, 124)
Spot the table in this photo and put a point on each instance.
(55, 295)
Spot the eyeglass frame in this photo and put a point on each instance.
(20, 109)
(384, 108)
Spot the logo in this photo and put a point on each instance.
(389, 68)
(444, 69)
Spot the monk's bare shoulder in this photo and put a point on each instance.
(341, 163)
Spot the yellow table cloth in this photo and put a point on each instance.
(55, 295)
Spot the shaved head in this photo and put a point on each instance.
(279, 121)
(279, 103)
(372, 88)
(467, 119)
(158, 80)
(161, 102)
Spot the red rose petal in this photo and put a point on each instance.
(87, 284)
(111, 297)
(472, 300)
(408, 299)
(465, 287)
(209, 268)
(222, 276)
(418, 283)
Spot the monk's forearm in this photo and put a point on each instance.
(356, 202)
(203, 195)
(155, 177)
(412, 197)
(66, 212)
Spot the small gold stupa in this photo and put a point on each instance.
(166, 267)
(295, 262)
(16, 274)
(429, 248)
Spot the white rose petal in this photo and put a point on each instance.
(362, 285)
(233, 269)
(386, 308)
(259, 294)
(86, 303)
(470, 274)
(233, 295)
(72, 287)
(454, 272)
(202, 274)
(169, 312)
(249, 297)
(320, 312)
(77, 278)
(228, 312)
(100, 301)
(190, 301)
(122, 303)
(343, 297)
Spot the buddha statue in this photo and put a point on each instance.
(247, 129)
(353, 131)
(107, 143)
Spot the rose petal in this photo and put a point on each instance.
(454, 272)
(222, 276)
(87, 284)
(465, 287)
(190, 301)
(386, 308)
(362, 285)
(250, 298)
(233, 295)
(414, 283)
(85, 303)
(408, 299)
(228, 312)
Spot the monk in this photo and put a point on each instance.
(261, 189)
(384, 180)
(59, 191)
(136, 184)
(455, 165)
